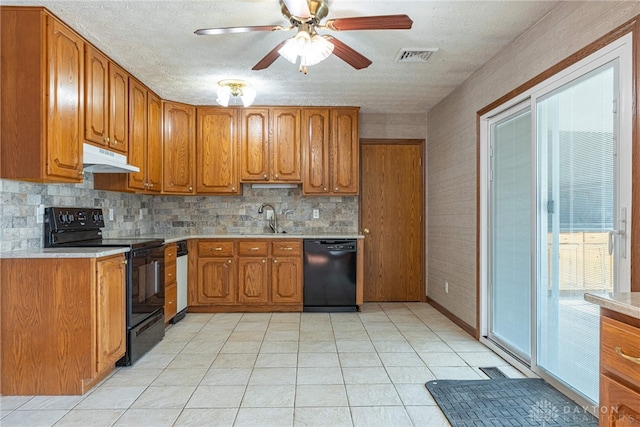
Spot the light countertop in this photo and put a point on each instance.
(64, 253)
(168, 238)
(624, 303)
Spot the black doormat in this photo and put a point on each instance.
(507, 402)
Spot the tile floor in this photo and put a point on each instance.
(278, 369)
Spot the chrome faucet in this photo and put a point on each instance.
(273, 221)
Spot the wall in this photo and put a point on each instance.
(391, 126)
(451, 140)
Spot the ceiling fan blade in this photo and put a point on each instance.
(347, 54)
(269, 58)
(232, 30)
(382, 22)
(298, 8)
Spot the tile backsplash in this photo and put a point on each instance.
(20, 227)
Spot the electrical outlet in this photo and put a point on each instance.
(40, 214)
(110, 214)
(316, 213)
(141, 213)
(446, 287)
(269, 214)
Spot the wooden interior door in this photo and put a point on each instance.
(391, 217)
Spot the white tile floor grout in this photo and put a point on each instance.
(278, 369)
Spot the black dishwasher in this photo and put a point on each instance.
(330, 275)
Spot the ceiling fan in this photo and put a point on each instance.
(307, 45)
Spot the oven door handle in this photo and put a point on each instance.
(156, 277)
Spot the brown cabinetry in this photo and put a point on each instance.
(110, 312)
(145, 145)
(247, 275)
(619, 370)
(330, 144)
(42, 103)
(217, 151)
(106, 102)
(270, 145)
(170, 283)
(62, 335)
(178, 148)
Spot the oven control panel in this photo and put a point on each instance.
(73, 218)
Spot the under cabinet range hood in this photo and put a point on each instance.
(99, 160)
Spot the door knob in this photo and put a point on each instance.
(367, 231)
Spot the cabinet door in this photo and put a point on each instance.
(178, 148)
(154, 142)
(216, 151)
(252, 280)
(118, 107)
(254, 145)
(66, 88)
(285, 145)
(286, 280)
(138, 134)
(96, 105)
(344, 151)
(170, 301)
(620, 405)
(315, 148)
(110, 311)
(216, 281)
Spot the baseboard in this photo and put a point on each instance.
(455, 319)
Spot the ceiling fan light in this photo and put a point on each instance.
(289, 51)
(317, 50)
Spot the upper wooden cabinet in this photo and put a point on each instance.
(145, 145)
(270, 145)
(42, 80)
(217, 151)
(106, 102)
(331, 151)
(178, 148)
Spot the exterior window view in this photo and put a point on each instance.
(319, 213)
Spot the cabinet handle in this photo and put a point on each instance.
(81, 173)
(324, 189)
(254, 249)
(264, 260)
(275, 261)
(124, 262)
(216, 249)
(266, 177)
(367, 231)
(190, 189)
(170, 274)
(286, 249)
(107, 139)
(229, 262)
(336, 189)
(150, 185)
(233, 188)
(276, 176)
(626, 356)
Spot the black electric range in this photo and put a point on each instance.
(73, 227)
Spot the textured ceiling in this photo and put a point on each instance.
(154, 41)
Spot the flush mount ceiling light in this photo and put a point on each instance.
(310, 47)
(237, 90)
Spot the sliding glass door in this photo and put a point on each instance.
(510, 231)
(556, 199)
(576, 211)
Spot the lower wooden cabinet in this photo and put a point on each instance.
(62, 323)
(246, 275)
(619, 370)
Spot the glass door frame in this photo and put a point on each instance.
(621, 48)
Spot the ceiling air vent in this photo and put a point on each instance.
(415, 55)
